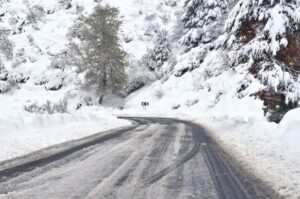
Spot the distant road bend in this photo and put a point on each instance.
(153, 158)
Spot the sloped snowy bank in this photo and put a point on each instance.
(269, 150)
(20, 135)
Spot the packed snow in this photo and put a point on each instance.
(20, 135)
(270, 151)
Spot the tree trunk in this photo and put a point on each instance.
(101, 99)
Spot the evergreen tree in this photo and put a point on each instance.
(264, 38)
(97, 51)
(268, 31)
(161, 52)
(201, 20)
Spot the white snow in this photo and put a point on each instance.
(38, 44)
(211, 95)
(208, 95)
(26, 133)
(270, 151)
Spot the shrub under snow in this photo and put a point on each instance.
(54, 81)
(48, 107)
(4, 86)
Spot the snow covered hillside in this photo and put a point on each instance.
(41, 100)
(39, 94)
(232, 65)
(236, 51)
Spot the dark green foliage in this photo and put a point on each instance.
(96, 51)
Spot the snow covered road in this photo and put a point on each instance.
(154, 158)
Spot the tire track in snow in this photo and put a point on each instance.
(129, 163)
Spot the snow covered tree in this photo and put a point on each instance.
(160, 53)
(264, 38)
(201, 20)
(6, 47)
(269, 31)
(97, 52)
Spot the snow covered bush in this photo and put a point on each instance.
(4, 86)
(18, 77)
(66, 4)
(159, 93)
(19, 58)
(12, 79)
(54, 80)
(48, 107)
(134, 86)
(191, 102)
(35, 13)
(175, 106)
(127, 38)
(42, 80)
(196, 58)
(6, 46)
(3, 73)
(18, 61)
(59, 61)
(171, 3)
(138, 76)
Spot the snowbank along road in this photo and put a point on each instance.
(153, 158)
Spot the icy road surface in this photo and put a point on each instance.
(154, 158)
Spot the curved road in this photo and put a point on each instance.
(153, 158)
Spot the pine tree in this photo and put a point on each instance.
(201, 20)
(97, 51)
(264, 38)
(161, 52)
(268, 31)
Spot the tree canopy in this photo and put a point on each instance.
(97, 51)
